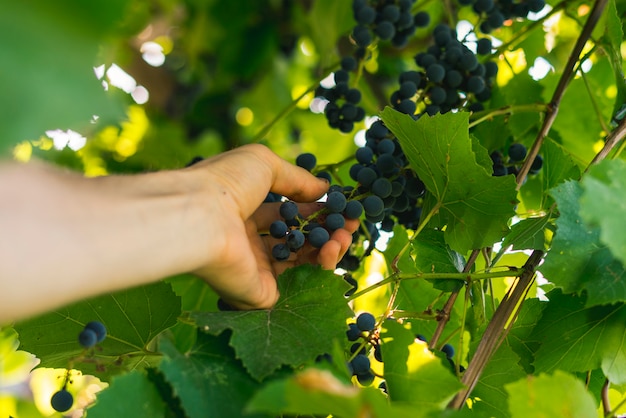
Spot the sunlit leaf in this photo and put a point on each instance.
(603, 204)
(473, 205)
(414, 375)
(577, 338)
(558, 395)
(310, 313)
(132, 318)
(578, 260)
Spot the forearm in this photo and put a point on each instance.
(66, 237)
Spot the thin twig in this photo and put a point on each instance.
(606, 402)
(611, 141)
(567, 75)
(447, 308)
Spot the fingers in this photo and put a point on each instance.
(249, 172)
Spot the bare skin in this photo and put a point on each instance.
(66, 237)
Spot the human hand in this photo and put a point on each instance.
(238, 263)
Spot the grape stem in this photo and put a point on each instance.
(606, 402)
(486, 115)
(611, 141)
(397, 277)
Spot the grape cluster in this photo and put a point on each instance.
(93, 333)
(494, 13)
(451, 77)
(516, 154)
(342, 109)
(387, 20)
(363, 335)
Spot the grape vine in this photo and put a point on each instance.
(486, 275)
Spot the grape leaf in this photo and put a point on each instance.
(318, 392)
(310, 313)
(559, 395)
(489, 396)
(207, 379)
(603, 204)
(132, 318)
(473, 205)
(433, 255)
(414, 375)
(577, 260)
(129, 395)
(527, 234)
(577, 338)
(519, 336)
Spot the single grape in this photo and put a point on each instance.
(386, 146)
(99, 328)
(378, 355)
(336, 202)
(365, 379)
(475, 84)
(495, 19)
(435, 73)
(437, 95)
(382, 187)
(453, 78)
(360, 364)
(281, 252)
(348, 63)
(87, 338)
(318, 237)
(361, 35)
(385, 30)
(421, 337)
(365, 15)
(278, 229)
(364, 155)
(483, 46)
(353, 333)
(335, 221)
(391, 13)
(448, 350)
(353, 210)
(517, 152)
(288, 210)
(378, 130)
(348, 111)
(295, 240)
(366, 321)
(366, 176)
(468, 61)
(421, 19)
(353, 96)
(62, 400)
(536, 165)
(341, 76)
(407, 89)
(306, 161)
(373, 205)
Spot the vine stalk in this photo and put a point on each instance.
(507, 311)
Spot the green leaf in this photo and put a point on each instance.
(527, 234)
(489, 396)
(207, 379)
(577, 260)
(603, 204)
(48, 51)
(558, 165)
(129, 395)
(473, 205)
(577, 338)
(433, 255)
(132, 318)
(329, 20)
(558, 395)
(310, 313)
(318, 392)
(414, 375)
(611, 43)
(519, 337)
